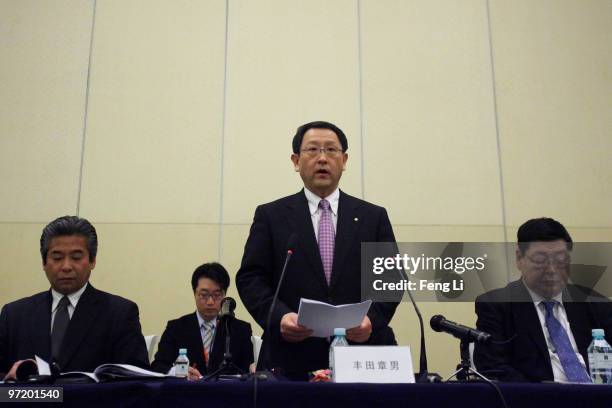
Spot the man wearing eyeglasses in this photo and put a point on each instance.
(200, 332)
(540, 323)
(330, 226)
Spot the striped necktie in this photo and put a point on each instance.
(207, 337)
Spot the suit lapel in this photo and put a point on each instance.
(194, 345)
(527, 316)
(579, 320)
(40, 326)
(346, 234)
(300, 221)
(85, 314)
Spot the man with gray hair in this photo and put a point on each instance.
(72, 324)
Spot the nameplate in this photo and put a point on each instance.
(373, 364)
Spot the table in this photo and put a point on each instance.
(181, 393)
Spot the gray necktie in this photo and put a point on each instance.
(60, 324)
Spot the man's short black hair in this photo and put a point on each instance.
(543, 230)
(319, 124)
(213, 271)
(66, 226)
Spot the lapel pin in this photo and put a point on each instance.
(355, 219)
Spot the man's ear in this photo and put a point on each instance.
(295, 158)
(519, 259)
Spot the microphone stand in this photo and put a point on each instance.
(465, 372)
(227, 365)
(423, 376)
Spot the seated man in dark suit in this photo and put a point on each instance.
(541, 324)
(73, 324)
(201, 332)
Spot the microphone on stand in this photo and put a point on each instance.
(291, 244)
(440, 324)
(423, 376)
(228, 305)
(226, 313)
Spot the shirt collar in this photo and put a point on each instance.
(313, 201)
(73, 297)
(201, 320)
(537, 299)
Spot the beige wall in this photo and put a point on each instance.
(166, 122)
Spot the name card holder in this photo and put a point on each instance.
(373, 364)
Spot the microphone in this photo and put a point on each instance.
(423, 376)
(291, 244)
(228, 305)
(440, 324)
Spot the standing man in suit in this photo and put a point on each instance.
(201, 332)
(330, 227)
(541, 324)
(73, 324)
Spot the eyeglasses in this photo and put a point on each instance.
(205, 296)
(543, 261)
(328, 151)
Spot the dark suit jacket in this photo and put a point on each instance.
(525, 357)
(262, 262)
(104, 328)
(184, 332)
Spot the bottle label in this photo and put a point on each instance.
(602, 361)
(182, 370)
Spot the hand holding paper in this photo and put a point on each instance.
(291, 330)
(361, 333)
(322, 318)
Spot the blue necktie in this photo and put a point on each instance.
(574, 371)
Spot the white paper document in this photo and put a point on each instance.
(43, 366)
(323, 318)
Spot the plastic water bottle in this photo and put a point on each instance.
(339, 341)
(600, 358)
(181, 365)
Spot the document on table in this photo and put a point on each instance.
(323, 318)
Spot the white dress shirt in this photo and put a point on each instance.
(315, 211)
(73, 299)
(561, 315)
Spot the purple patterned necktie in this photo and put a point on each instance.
(327, 236)
(574, 371)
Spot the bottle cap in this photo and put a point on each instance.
(183, 351)
(597, 332)
(339, 331)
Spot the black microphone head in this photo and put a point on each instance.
(292, 242)
(227, 307)
(435, 322)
